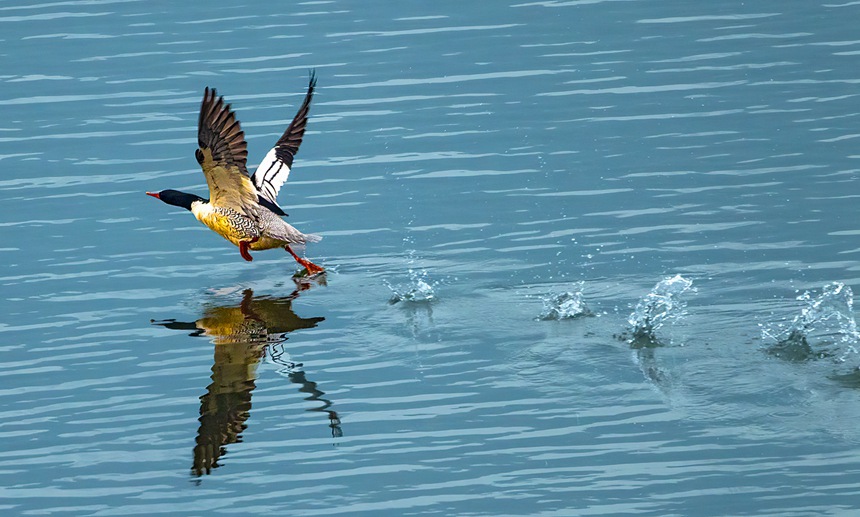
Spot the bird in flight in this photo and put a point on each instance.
(243, 208)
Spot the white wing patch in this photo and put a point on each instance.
(274, 170)
(271, 175)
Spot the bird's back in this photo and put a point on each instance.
(277, 233)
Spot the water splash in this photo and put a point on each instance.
(824, 328)
(563, 306)
(660, 306)
(418, 290)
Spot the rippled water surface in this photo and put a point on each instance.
(502, 187)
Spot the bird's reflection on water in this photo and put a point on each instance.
(244, 335)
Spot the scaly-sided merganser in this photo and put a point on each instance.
(241, 208)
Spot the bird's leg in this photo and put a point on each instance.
(243, 248)
(311, 267)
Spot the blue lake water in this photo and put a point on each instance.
(584, 258)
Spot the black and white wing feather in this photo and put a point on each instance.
(274, 170)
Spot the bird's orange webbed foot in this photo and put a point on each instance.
(244, 246)
(312, 268)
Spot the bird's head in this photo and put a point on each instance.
(176, 198)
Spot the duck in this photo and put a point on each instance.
(243, 208)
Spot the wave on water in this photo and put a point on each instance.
(825, 328)
(563, 306)
(662, 305)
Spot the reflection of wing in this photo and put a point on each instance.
(222, 155)
(274, 170)
(227, 403)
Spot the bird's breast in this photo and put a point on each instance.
(225, 222)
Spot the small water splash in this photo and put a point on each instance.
(824, 328)
(563, 306)
(660, 306)
(418, 290)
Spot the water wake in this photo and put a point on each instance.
(660, 306)
(825, 328)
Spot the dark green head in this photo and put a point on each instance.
(176, 198)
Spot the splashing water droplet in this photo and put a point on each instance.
(562, 306)
(660, 306)
(418, 290)
(825, 327)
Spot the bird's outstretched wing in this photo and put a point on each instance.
(274, 170)
(222, 155)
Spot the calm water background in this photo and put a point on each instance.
(483, 155)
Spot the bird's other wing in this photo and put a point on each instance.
(274, 170)
(222, 155)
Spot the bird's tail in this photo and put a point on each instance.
(312, 237)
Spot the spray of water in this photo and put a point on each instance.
(563, 306)
(419, 289)
(824, 328)
(660, 306)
